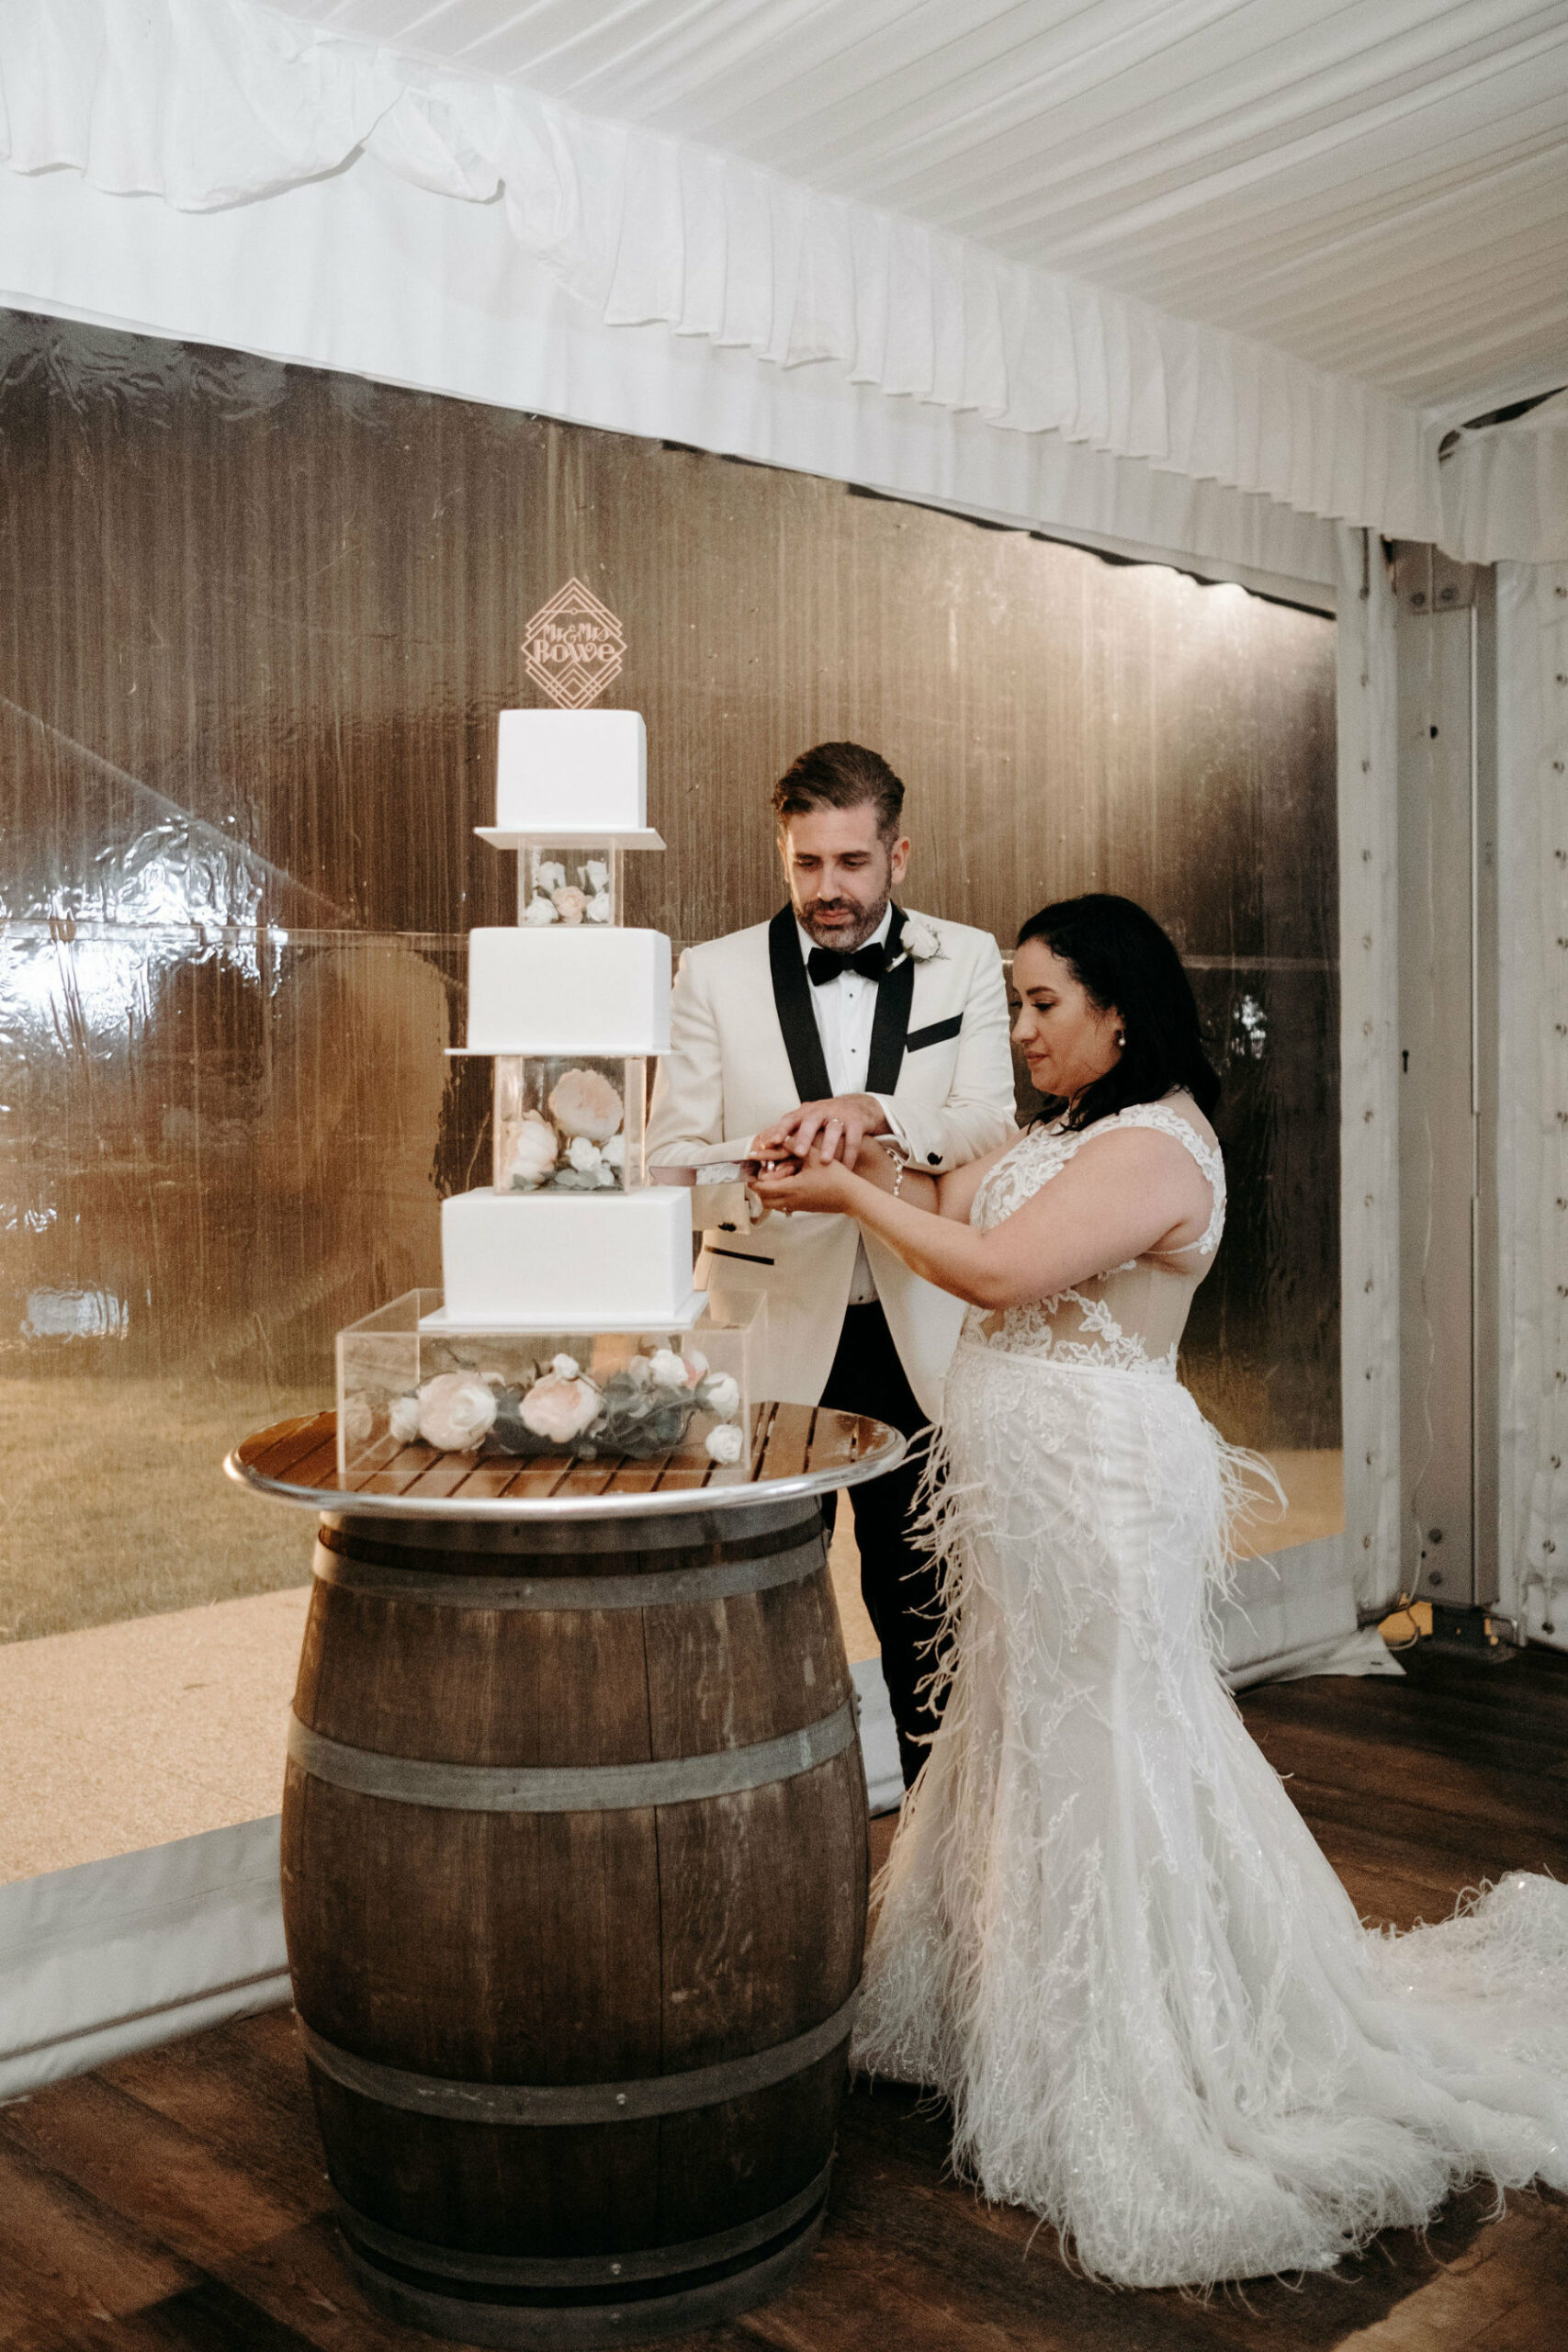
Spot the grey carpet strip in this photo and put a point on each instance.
(661, 1589)
(583, 2270)
(578, 2103)
(586, 1788)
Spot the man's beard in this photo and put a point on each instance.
(843, 937)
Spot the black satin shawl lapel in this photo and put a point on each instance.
(792, 1001)
(895, 995)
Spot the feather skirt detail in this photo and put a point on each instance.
(1106, 1936)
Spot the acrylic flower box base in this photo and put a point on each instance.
(677, 1392)
(441, 1320)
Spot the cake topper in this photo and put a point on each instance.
(573, 646)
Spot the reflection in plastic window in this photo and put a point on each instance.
(218, 1150)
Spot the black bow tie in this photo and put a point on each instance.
(825, 964)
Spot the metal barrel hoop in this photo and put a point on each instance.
(658, 1589)
(585, 1788)
(542, 2105)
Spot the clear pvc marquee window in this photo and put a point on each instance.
(261, 620)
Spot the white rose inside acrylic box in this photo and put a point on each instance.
(573, 883)
(568, 1123)
(679, 1394)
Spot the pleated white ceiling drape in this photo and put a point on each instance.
(219, 105)
(1376, 187)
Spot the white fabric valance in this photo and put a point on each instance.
(368, 274)
(1506, 490)
(208, 105)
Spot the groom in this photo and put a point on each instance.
(844, 1017)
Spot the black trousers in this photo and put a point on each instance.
(897, 1582)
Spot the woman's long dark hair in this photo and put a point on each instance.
(1123, 958)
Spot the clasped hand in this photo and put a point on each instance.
(813, 1182)
(836, 1126)
(808, 1153)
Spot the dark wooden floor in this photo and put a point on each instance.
(177, 2199)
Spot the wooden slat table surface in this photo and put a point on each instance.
(796, 1450)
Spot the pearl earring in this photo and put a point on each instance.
(1121, 1037)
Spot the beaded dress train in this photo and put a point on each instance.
(1106, 1935)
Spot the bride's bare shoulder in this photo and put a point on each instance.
(1168, 1149)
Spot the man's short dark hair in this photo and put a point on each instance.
(841, 775)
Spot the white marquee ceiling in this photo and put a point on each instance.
(1377, 187)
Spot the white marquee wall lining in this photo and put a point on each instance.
(1532, 790)
(1368, 1069)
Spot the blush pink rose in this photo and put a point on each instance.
(456, 1409)
(558, 1407)
(583, 1102)
(529, 1152)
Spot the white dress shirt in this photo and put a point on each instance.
(844, 1009)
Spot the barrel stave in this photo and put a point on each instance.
(557, 2191)
(477, 1686)
(499, 1947)
(574, 1948)
(720, 2166)
(581, 1687)
(584, 2190)
(761, 1912)
(744, 1669)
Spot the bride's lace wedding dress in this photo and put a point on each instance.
(1106, 1935)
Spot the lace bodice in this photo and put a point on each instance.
(1131, 1318)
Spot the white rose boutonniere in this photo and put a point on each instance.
(920, 940)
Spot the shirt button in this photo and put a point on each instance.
(933, 1160)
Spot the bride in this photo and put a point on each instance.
(1106, 1936)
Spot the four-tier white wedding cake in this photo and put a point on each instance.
(569, 1320)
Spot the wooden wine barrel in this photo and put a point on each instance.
(574, 1872)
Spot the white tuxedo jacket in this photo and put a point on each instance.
(745, 1048)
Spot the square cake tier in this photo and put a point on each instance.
(569, 992)
(562, 772)
(538, 1261)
